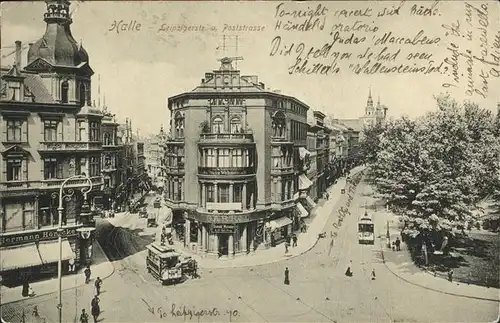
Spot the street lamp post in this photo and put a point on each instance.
(65, 196)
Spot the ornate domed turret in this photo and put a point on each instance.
(57, 46)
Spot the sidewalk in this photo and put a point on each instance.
(101, 267)
(401, 265)
(305, 242)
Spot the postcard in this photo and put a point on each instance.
(250, 161)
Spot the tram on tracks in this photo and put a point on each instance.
(366, 228)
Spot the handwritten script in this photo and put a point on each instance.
(189, 313)
(480, 63)
(388, 39)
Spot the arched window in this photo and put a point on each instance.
(279, 124)
(217, 125)
(179, 125)
(64, 92)
(83, 93)
(235, 125)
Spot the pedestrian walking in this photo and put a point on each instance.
(87, 273)
(348, 272)
(98, 283)
(398, 244)
(95, 308)
(287, 276)
(450, 275)
(286, 247)
(294, 239)
(373, 274)
(26, 287)
(84, 317)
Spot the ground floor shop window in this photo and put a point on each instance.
(193, 234)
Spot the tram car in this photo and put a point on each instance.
(366, 230)
(164, 264)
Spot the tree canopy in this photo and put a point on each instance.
(435, 169)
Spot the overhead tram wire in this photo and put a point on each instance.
(368, 275)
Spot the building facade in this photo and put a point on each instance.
(154, 158)
(112, 160)
(247, 147)
(49, 133)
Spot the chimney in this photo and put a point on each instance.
(18, 54)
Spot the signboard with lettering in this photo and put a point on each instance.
(223, 228)
(25, 237)
(231, 218)
(226, 101)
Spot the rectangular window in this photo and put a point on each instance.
(237, 193)
(94, 166)
(95, 131)
(14, 130)
(79, 165)
(14, 169)
(283, 191)
(210, 193)
(223, 157)
(82, 136)
(50, 130)
(237, 158)
(52, 168)
(223, 193)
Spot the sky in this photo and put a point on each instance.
(139, 70)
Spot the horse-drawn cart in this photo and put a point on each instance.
(189, 267)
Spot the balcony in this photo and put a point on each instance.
(111, 145)
(109, 169)
(69, 146)
(225, 171)
(74, 183)
(280, 140)
(175, 170)
(282, 170)
(221, 138)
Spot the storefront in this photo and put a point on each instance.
(36, 252)
(280, 229)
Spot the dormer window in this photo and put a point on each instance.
(64, 92)
(235, 125)
(217, 125)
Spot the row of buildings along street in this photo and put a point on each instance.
(271, 197)
(244, 166)
(52, 129)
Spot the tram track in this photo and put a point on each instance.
(335, 262)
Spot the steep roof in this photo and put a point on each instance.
(32, 82)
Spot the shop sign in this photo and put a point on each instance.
(13, 239)
(222, 228)
(226, 101)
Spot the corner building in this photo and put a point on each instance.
(233, 164)
(49, 133)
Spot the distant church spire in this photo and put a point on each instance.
(369, 102)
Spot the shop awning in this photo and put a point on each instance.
(49, 251)
(22, 256)
(281, 222)
(304, 182)
(303, 153)
(302, 210)
(310, 202)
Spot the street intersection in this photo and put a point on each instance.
(319, 290)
